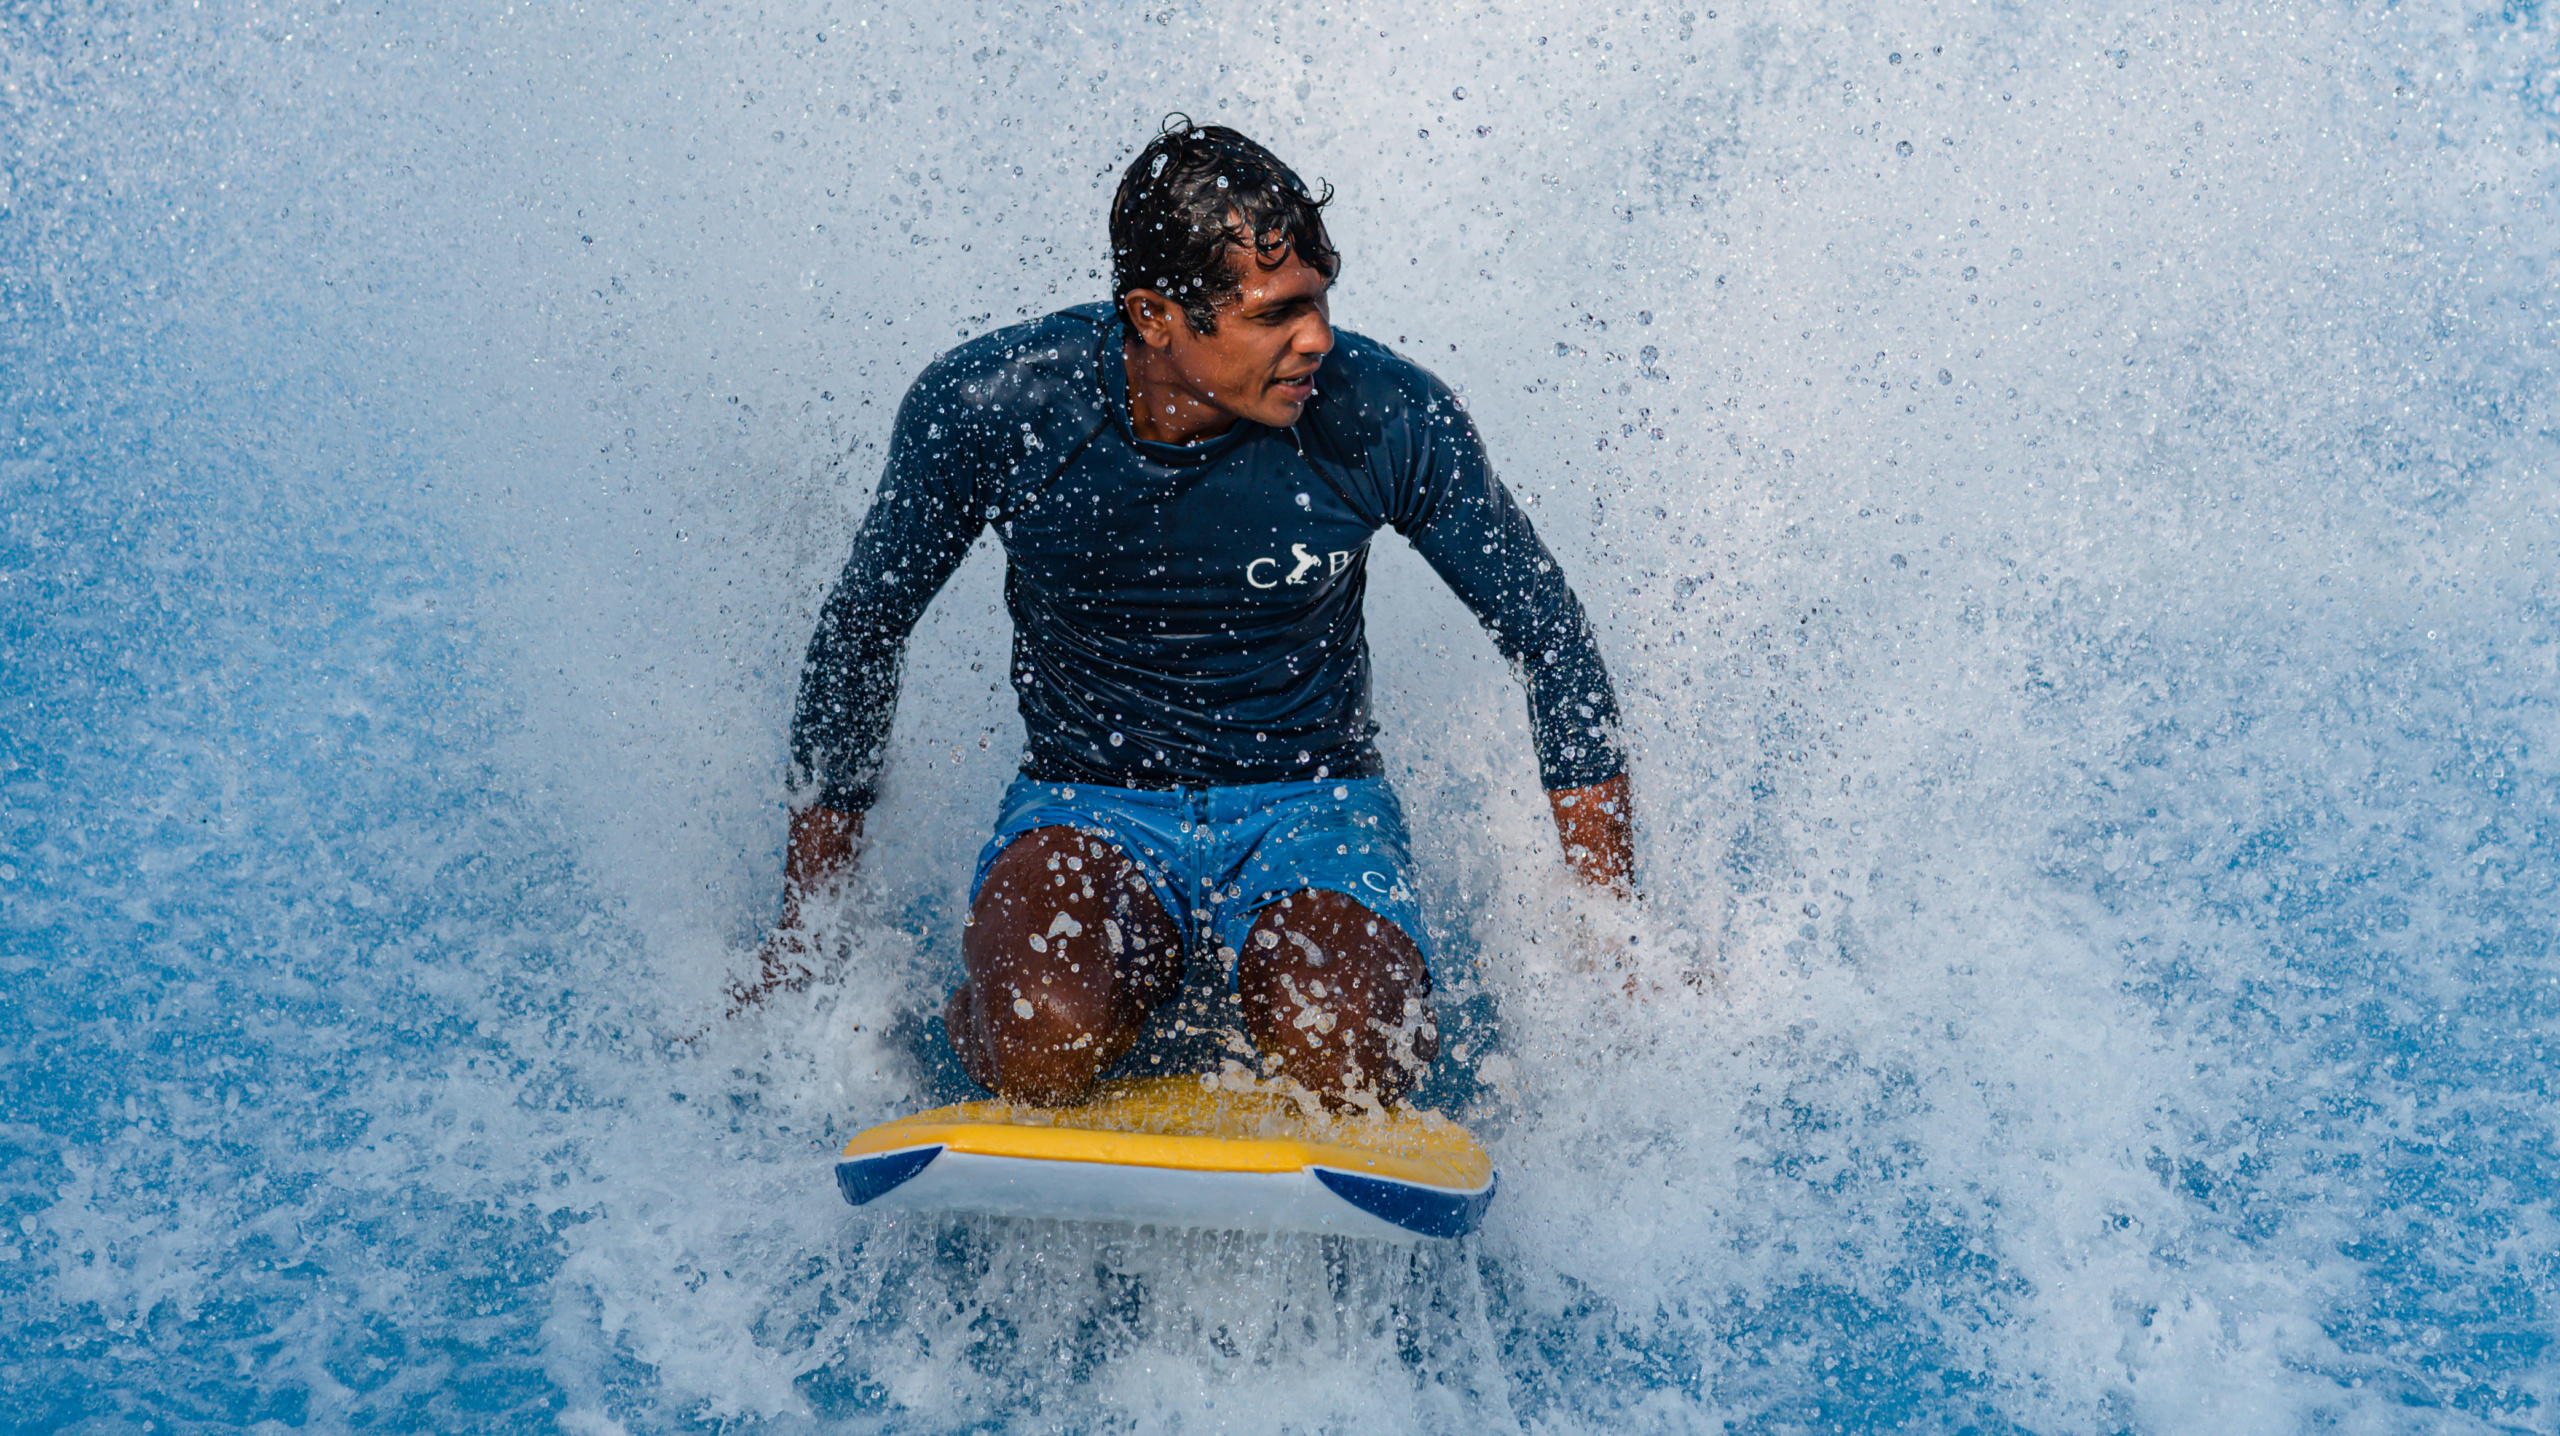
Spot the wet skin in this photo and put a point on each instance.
(1068, 952)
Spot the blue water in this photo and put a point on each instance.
(2082, 585)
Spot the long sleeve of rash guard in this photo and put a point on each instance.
(920, 526)
(1474, 535)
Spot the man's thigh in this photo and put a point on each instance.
(1144, 829)
(1069, 913)
(1337, 996)
(1068, 952)
(1347, 838)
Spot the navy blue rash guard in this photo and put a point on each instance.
(1185, 615)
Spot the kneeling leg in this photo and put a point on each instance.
(1338, 999)
(1067, 952)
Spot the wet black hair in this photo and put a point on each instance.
(1197, 193)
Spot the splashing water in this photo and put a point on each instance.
(2070, 500)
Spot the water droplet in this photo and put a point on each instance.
(1902, 147)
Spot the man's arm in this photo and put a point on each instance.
(1465, 523)
(919, 528)
(923, 518)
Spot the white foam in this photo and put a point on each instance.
(2084, 626)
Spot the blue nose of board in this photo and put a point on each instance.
(864, 1178)
(1424, 1211)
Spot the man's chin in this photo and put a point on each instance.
(1280, 412)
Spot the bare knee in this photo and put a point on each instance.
(1338, 998)
(1067, 952)
(1032, 1043)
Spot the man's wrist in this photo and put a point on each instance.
(1595, 824)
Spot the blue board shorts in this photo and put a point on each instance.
(1217, 857)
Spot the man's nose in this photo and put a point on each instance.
(1315, 336)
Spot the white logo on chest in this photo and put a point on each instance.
(1303, 567)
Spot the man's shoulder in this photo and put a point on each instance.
(1366, 389)
(1026, 365)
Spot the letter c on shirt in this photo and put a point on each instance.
(1261, 582)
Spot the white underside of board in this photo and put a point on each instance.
(1133, 1196)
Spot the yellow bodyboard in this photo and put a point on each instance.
(1225, 1151)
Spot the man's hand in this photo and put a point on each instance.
(823, 844)
(1597, 827)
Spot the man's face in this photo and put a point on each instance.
(1259, 365)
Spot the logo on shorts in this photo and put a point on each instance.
(1301, 566)
(1380, 884)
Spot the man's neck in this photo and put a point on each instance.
(1161, 409)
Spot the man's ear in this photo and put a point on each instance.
(1154, 317)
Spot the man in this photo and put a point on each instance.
(1186, 487)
